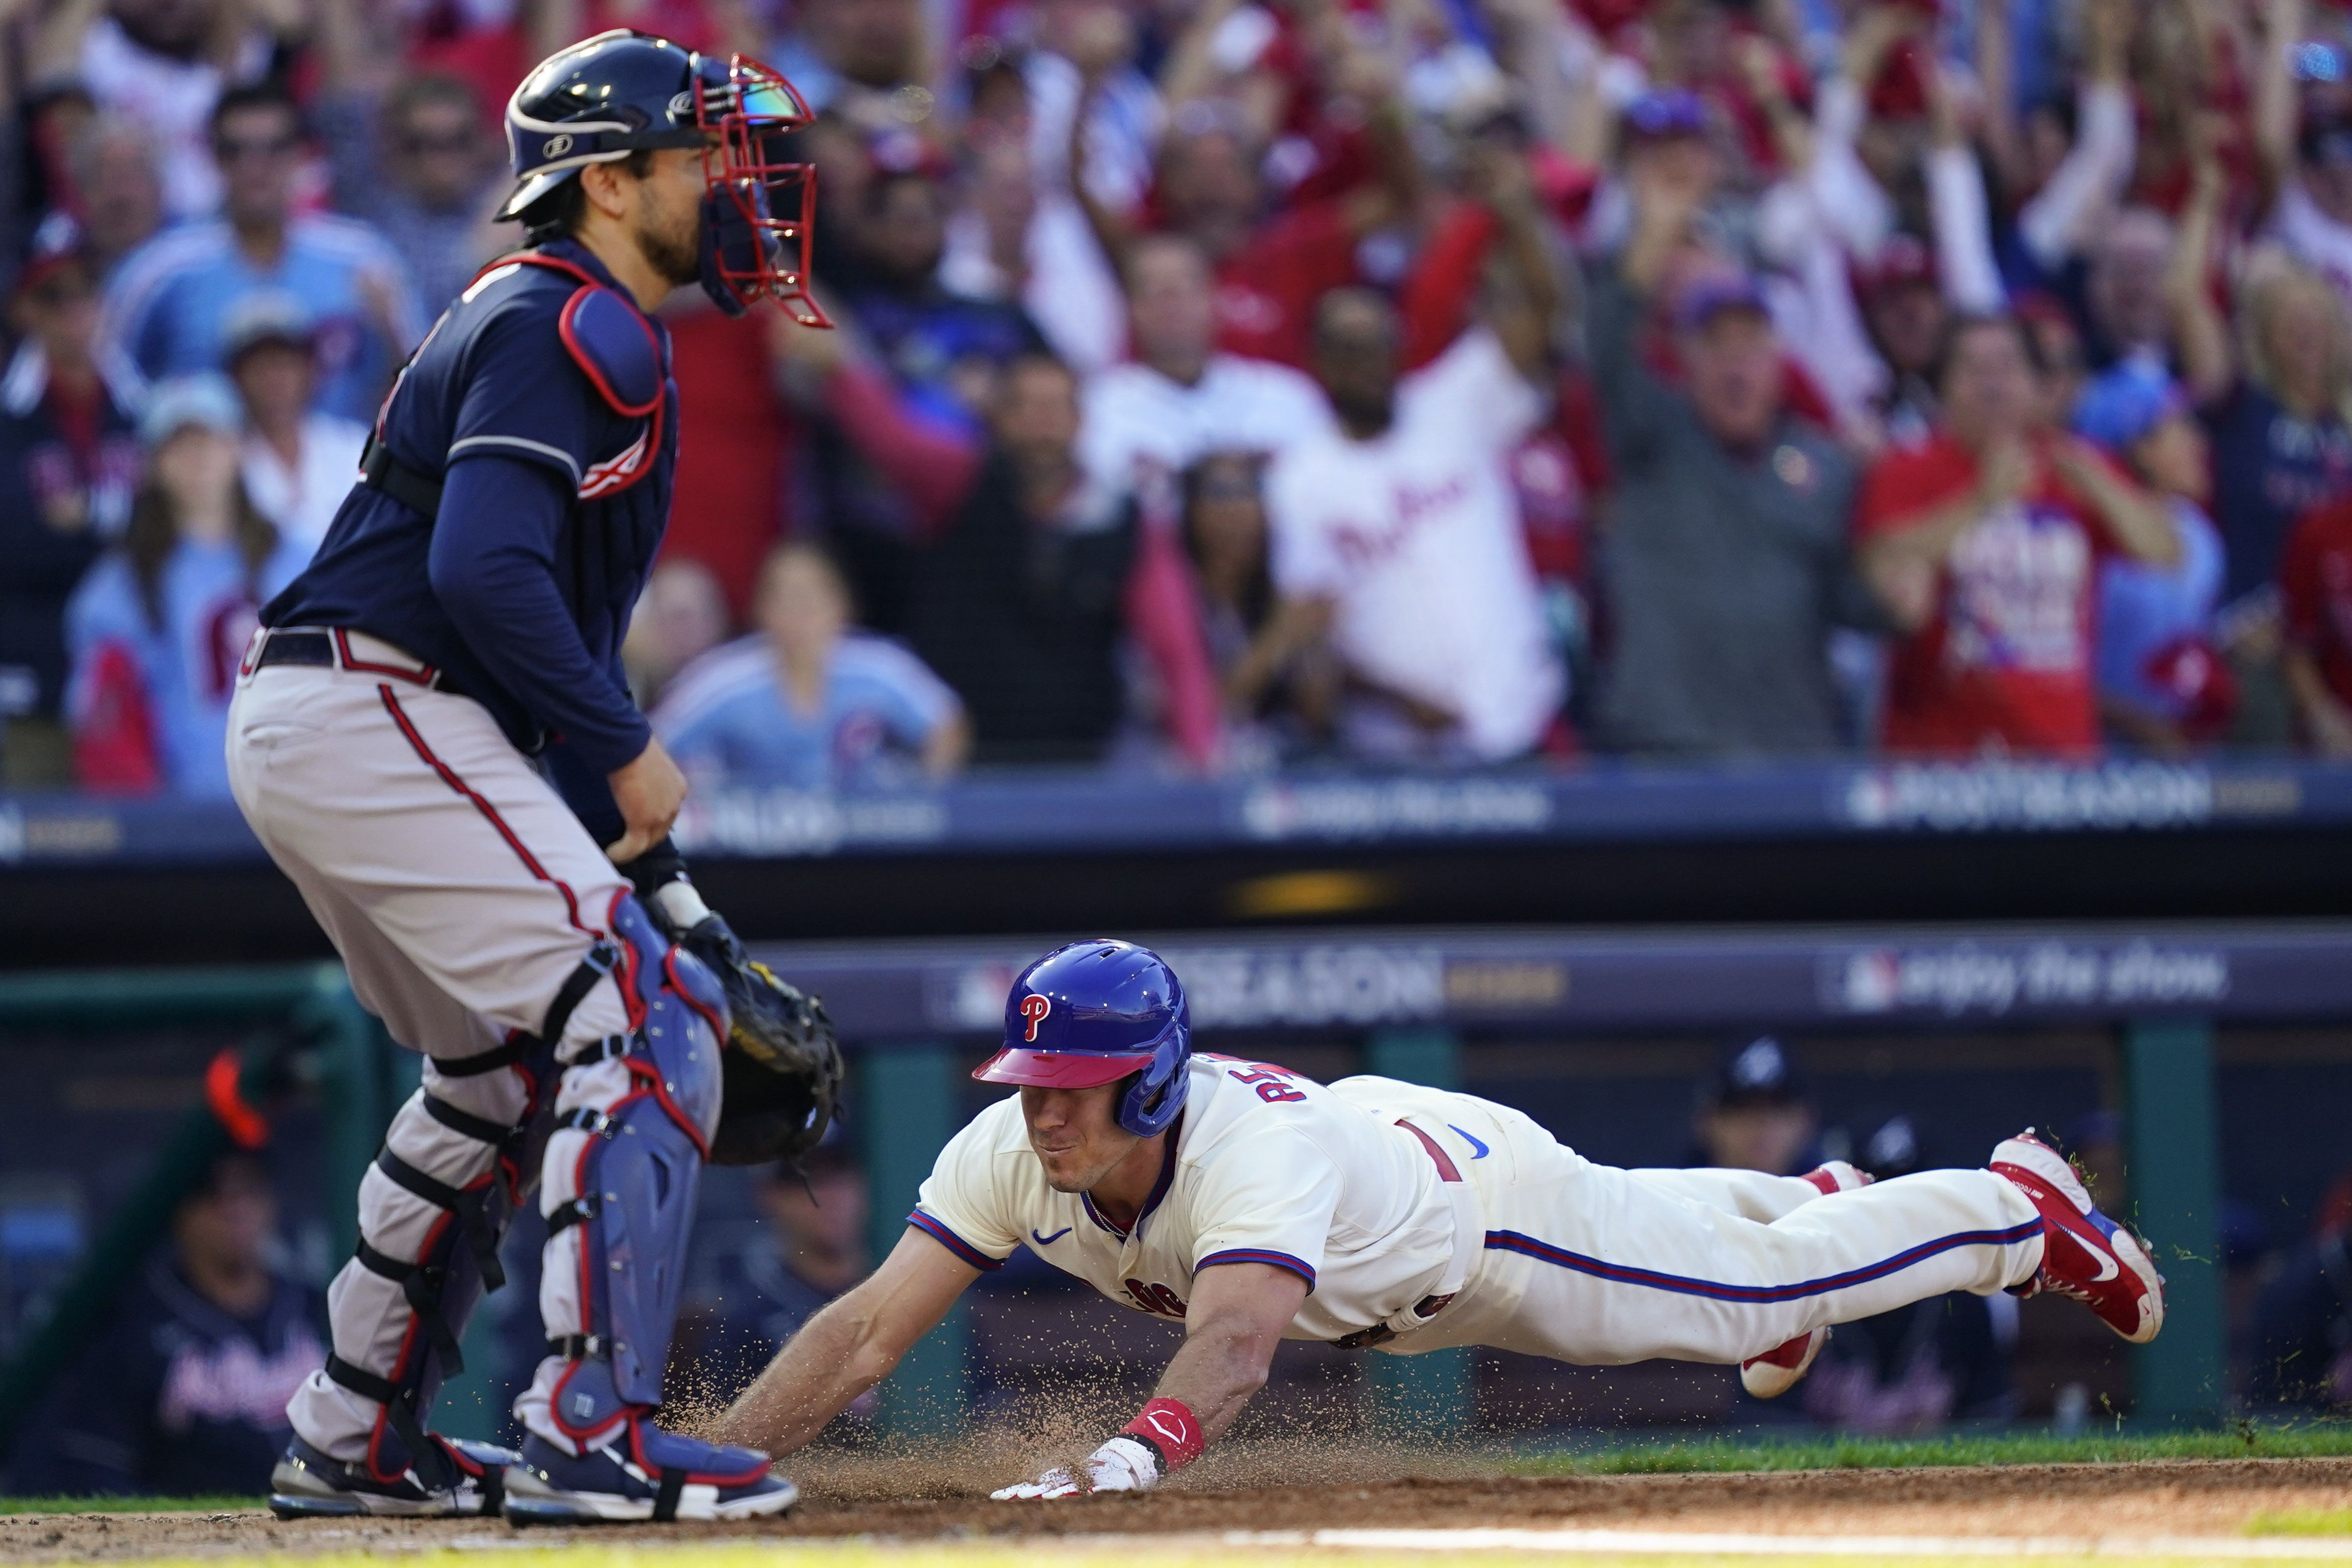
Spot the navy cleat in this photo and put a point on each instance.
(644, 1473)
(306, 1484)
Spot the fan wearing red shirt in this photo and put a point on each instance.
(2315, 584)
(1984, 545)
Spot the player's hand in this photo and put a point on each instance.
(649, 792)
(1122, 1465)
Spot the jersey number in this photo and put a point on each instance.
(1155, 1299)
(1271, 1083)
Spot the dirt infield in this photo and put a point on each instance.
(2189, 1499)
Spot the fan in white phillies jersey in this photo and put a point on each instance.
(1257, 1206)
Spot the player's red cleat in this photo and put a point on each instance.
(2085, 1254)
(1776, 1371)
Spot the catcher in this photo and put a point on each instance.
(432, 736)
(1256, 1206)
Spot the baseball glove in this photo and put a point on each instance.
(782, 1068)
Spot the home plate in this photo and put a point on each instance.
(1693, 1543)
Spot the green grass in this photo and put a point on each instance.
(129, 1504)
(2303, 1521)
(2303, 1440)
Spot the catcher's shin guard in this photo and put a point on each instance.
(632, 1128)
(433, 1209)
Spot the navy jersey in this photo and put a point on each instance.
(543, 399)
(174, 1396)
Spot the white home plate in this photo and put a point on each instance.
(1682, 1543)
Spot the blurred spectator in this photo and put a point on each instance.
(943, 349)
(807, 702)
(414, 164)
(1281, 696)
(163, 65)
(1753, 1113)
(1022, 604)
(681, 614)
(755, 1295)
(116, 188)
(1398, 536)
(1210, 188)
(1726, 564)
(298, 464)
(2163, 687)
(857, 58)
(1903, 300)
(1009, 241)
(2304, 133)
(1922, 1366)
(69, 461)
(182, 1392)
(2315, 584)
(2130, 308)
(2280, 446)
(157, 628)
(1982, 546)
(1181, 398)
(168, 305)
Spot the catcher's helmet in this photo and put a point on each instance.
(1093, 1013)
(623, 91)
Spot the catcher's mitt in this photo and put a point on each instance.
(782, 1067)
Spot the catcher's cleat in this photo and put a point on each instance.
(306, 1484)
(2084, 1254)
(644, 1473)
(1837, 1177)
(1778, 1370)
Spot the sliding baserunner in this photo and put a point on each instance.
(1257, 1206)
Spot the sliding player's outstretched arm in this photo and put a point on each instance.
(849, 1347)
(1232, 1325)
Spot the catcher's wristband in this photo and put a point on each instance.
(1170, 1429)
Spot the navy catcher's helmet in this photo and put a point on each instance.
(623, 91)
(1092, 1013)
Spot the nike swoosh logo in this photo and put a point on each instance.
(1472, 1142)
(1049, 1240)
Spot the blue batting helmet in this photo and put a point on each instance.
(1093, 1013)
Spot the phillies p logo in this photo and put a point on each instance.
(1034, 1007)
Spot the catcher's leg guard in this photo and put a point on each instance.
(432, 1211)
(634, 1123)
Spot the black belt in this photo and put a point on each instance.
(315, 648)
(419, 492)
(328, 647)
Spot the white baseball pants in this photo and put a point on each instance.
(1598, 1266)
(461, 892)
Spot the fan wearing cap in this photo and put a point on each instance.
(157, 627)
(433, 736)
(299, 459)
(68, 460)
(2163, 685)
(1726, 562)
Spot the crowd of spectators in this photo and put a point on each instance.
(1224, 384)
